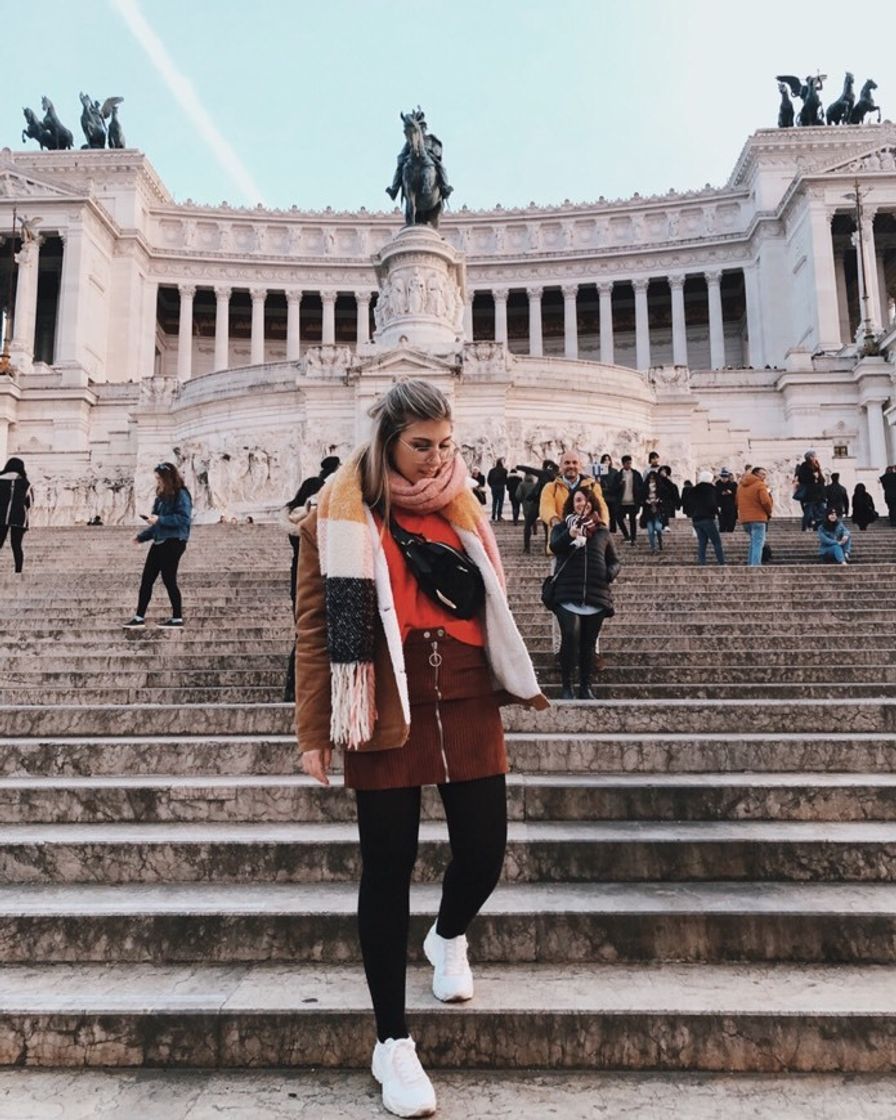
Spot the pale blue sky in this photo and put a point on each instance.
(533, 101)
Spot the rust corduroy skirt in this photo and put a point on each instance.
(456, 730)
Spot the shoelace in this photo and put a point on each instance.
(406, 1063)
(455, 956)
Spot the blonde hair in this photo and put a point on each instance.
(404, 404)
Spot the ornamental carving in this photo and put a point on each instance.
(159, 392)
(485, 358)
(326, 361)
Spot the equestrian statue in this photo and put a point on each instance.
(839, 111)
(845, 110)
(420, 174)
(812, 112)
(865, 104)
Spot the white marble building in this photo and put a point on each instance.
(718, 325)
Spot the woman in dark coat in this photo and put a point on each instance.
(586, 565)
(15, 507)
(726, 491)
(497, 483)
(863, 511)
(671, 498)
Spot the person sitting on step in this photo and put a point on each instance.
(834, 540)
(587, 564)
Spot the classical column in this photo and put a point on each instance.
(70, 293)
(362, 304)
(328, 327)
(883, 294)
(642, 324)
(147, 362)
(22, 345)
(679, 325)
(500, 298)
(877, 435)
(756, 350)
(468, 317)
(293, 325)
(827, 323)
(716, 322)
(536, 345)
(872, 284)
(570, 321)
(185, 332)
(222, 327)
(842, 297)
(256, 346)
(605, 295)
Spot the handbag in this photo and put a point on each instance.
(549, 586)
(445, 575)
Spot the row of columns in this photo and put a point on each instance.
(258, 296)
(642, 320)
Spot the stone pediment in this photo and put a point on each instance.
(881, 158)
(14, 185)
(406, 361)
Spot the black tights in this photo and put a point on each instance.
(162, 559)
(388, 823)
(580, 630)
(15, 542)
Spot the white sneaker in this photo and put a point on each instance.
(452, 980)
(407, 1091)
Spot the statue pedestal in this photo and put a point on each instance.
(422, 288)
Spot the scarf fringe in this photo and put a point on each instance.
(353, 708)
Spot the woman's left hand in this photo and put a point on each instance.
(152, 519)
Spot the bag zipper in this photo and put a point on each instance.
(435, 660)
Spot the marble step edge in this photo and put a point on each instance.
(759, 1018)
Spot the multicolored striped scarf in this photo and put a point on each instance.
(346, 547)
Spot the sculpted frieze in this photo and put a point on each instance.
(326, 361)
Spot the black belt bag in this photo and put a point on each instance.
(448, 577)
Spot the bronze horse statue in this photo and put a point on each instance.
(92, 123)
(785, 110)
(865, 104)
(812, 112)
(840, 111)
(62, 137)
(419, 178)
(36, 130)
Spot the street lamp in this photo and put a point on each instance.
(857, 195)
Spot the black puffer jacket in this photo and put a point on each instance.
(15, 500)
(703, 503)
(585, 573)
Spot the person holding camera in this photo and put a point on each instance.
(398, 570)
(586, 566)
(168, 527)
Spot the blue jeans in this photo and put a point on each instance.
(836, 552)
(654, 527)
(497, 503)
(756, 532)
(707, 532)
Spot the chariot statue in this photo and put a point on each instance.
(420, 174)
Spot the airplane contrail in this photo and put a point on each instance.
(182, 89)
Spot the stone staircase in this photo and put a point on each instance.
(701, 872)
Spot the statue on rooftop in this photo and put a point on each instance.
(420, 174)
(865, 104)
(785, 111)
(92, 123)
(839, 111)
(812, 112)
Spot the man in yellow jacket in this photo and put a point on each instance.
(555, 494)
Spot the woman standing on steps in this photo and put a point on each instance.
(168, 527)
(15, 507)
(586, 566)
(405, 671)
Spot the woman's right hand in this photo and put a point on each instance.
(317, 763)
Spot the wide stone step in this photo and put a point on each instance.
(703, 717)
(534, 797)
(758, 1018)
(563, 753)
(557, 923)
(537, 851)
(93, 1094)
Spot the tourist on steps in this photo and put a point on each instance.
(497, 484)
(726, 491)
(626, 496)
(514, 478)
(837, 495)
(296, 511)
(810, 490)
(555, 494)
(168, 527)
(670, 496)
(15, 507)
(586, 566)
(888, 485)
(397, 669)
(652, 517)
(607, 475)
(863, 511)
(754, 508)
(834, 540)
(703, 507)
(530, 496)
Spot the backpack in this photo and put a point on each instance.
(767, 554)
